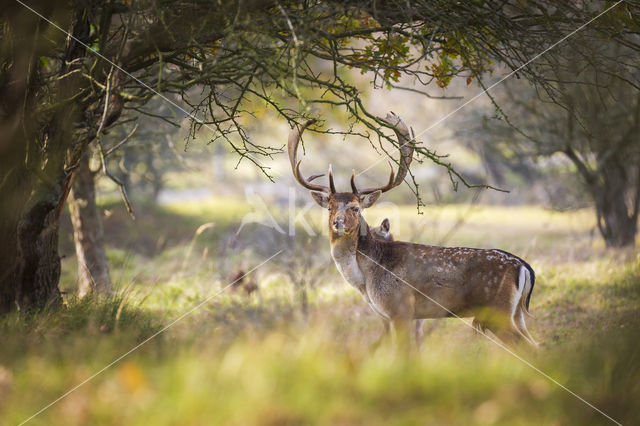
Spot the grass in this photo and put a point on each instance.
(259, 361)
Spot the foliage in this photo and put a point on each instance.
(590, 115)
(224, 62)
(241, 360)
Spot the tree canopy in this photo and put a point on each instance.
(68, 71)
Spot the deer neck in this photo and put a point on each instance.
(344, 249)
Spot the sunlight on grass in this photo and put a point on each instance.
(259, 360)
(304, 375)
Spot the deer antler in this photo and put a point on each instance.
(406, 156)
(292, 146)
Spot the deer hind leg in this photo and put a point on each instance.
(522, 327)
(503, 319)
(519, 306)
(510, 335)
(500, 323)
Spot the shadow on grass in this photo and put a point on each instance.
(154, 229)
(240, 362)
(87, 323)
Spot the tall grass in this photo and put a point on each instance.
(258, 361)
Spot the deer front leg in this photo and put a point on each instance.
(399, 307)
(419, 333)
(385, 333)
(385, 323)
(401, 333)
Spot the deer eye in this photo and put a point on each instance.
(355, 209)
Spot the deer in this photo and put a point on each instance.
(383, 232)
(404, 281)
(237, 280)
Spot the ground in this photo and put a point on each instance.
(258, 360)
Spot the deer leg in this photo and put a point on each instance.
(385, 334)
(522, 327)
(500, 322)
(503, 319)
(401, 333)
(517, 317)
(419, 333)
(385, 323)
(508, 331)
(508, 335)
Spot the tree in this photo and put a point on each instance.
(143, 157)
(58, 95)
(601, 133)
(589, 113)
(88, 234)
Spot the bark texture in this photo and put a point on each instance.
(30, 263)
(617, 211)
(88, 234)
(33, 149)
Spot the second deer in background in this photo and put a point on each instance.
(404, 281)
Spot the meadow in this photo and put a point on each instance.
(302, 350)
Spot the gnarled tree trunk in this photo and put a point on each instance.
(88, 234)
(34, 143)
(29, 260)
(617, 210)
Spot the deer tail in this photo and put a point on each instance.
(526, 282)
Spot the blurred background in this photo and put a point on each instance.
(191, 243)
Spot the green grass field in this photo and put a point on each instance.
(258, 360)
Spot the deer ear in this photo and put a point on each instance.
(321, 198)
(367, 200)
(386, 225)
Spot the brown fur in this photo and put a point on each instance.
(383, 231)
(414, 281)
(404, 281)
(237, 280)
(250, 287)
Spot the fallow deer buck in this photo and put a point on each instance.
(383, 232)
(404, 281)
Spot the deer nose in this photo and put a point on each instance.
(338, 222)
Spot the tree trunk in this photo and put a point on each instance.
(88, 234)
(617, 226)
(617, 221)
(39, 271)
(612, 187)
(619, 229)
(33, 150)
(29, 261)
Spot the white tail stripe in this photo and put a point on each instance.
(516, 311)
(522, 280)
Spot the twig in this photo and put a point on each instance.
(122, 142)
(103, 155)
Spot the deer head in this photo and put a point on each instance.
(345, 207)
(383, 231)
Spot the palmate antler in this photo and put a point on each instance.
(457, 281)
(292, 147)
(406, 156)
